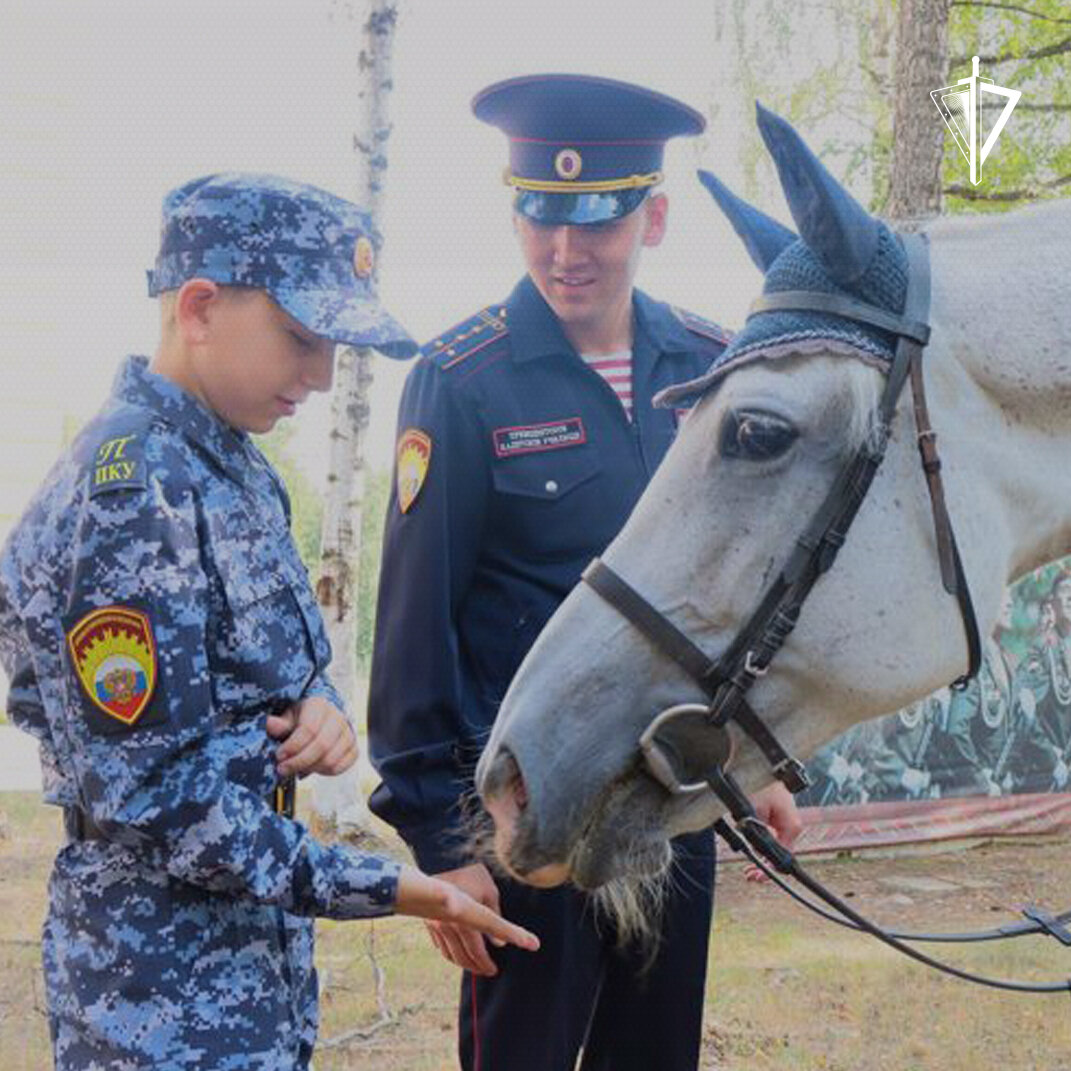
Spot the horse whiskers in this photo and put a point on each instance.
(478, 829)
(634, 906)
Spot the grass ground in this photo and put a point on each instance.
(786, 993)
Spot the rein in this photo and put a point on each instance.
(727, 680)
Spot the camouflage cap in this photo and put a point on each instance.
(311, 251)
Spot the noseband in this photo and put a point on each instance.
(727, 680)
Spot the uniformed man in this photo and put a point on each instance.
(986, 719)
(838, 770)
(156, 623)
(907, 759)
(1042, 759)
(526, 435)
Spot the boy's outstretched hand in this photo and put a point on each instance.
(429, 898)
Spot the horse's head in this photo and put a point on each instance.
(775, 420)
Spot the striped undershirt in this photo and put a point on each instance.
(616, 369)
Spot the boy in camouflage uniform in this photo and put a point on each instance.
(160, 636)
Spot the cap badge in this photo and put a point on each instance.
(364, 258)
(114, 656)
(414, 457)
(568, 164)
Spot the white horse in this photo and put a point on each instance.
(562, 774)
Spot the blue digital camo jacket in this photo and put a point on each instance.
(153, 611)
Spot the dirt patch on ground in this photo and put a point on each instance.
(927, 887)
(792, 991)
(786, 991)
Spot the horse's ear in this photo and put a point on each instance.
(836, 228)
(763, 236)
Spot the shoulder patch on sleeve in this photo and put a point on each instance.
(700, 325)
(412, 463)
(118, 460)
(468, 337)
(113, 653)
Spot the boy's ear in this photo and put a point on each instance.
(194, 304)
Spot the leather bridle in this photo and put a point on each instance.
(727, 680)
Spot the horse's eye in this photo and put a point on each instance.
(755, 436)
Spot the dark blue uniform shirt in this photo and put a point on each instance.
(533, 469)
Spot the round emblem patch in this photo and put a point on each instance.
(364, 258)
(414, 457)
(115, 657)
(568, 164)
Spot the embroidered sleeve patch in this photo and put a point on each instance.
(118, 465)
(533, 438)
(114, 655)
(414, 459)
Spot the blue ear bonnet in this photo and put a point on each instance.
(842, 250)
(884, 283)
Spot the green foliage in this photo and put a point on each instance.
(1025, 47)
(828, 70)
(839, 90)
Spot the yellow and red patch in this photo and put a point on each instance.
(364, 258)
(114, 655)
(414, 459)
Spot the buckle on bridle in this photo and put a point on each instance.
(792, 774)
(752, 668)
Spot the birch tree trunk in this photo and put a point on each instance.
(338, 801)
(918, 133)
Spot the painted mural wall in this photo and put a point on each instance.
(1007, 733)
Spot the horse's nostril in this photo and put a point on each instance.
(503, 779)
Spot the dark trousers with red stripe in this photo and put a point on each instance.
(580, 991)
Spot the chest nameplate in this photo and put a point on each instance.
(534, 438)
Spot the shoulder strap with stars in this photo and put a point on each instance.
(468, 337)
(700, 325)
